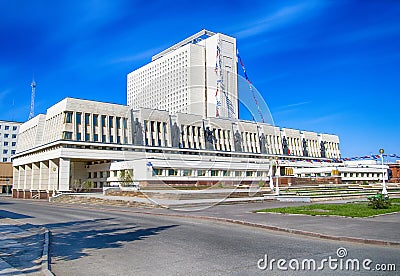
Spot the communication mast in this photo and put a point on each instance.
(32, 111)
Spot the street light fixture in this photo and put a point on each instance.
(277, 174)
(384, 191)
(7, 182)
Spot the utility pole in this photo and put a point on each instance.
(32, 111)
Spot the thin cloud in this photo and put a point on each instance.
(360, 35)
(290, 107)
(147, 54)
(281, 17)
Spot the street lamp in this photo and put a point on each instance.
(384, 191)
(277, 174)
(7, 181)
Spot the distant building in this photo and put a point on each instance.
(197, 76)
(8, 139)
(395, 168)
(6, 177)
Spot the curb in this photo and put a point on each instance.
(285, 230)
(45, 254)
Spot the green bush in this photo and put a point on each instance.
(379, 201)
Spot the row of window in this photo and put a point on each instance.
(6, 127)
(345, 175)
(6, 135)
(6, 151)
(99, 174)
(361, 174)
(217, 173)
(7, 144)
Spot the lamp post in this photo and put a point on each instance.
(384, 191)
(7, 181)
(277, 174)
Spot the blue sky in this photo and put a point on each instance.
(325, 66)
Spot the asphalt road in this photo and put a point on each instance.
(100, 241)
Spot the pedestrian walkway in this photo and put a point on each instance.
(21, 247)
(379, 230)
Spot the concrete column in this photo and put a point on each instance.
(156, 134)
(16, 178)
(53, 176)
(27, 177)
(35, 176)
(64, 174)
(162, 135)
(44, 176)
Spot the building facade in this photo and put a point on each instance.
(395, 168)
(81, 143)
(6, 177)
(197, 76)
(8, 139)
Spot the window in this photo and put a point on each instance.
(79, 136)
(13, 152)
(187, 172)
(110, 121)
(14, 136)
(67, 135)
(6, 135)
(249, 173)
(14, 128)
(96, 137)
(214, 173)
(5, 159)
(78, 118)
(115, 173)
(201, 173)
(87, 137)
(5, 151)
(13, 144)
(118, 120)
(103, 121)
(238, 173)
(87, 119)
(172, 172)
(95, 120)
(68, 117)
(6, 127)
(157, 171)
(5, 144)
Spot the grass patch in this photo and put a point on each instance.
(345, 210)
(395, 200)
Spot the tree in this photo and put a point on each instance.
(126, 178)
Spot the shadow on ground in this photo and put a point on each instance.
(78, 238)
(12, 215)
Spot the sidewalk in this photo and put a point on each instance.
(21, 248)
(379, 230)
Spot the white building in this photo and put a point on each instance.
(197, 76)
(8, 139)
(87, 142)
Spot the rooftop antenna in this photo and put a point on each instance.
(32, 111)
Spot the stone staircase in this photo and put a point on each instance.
(332, 192)
(195, 195)
(89, 200)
